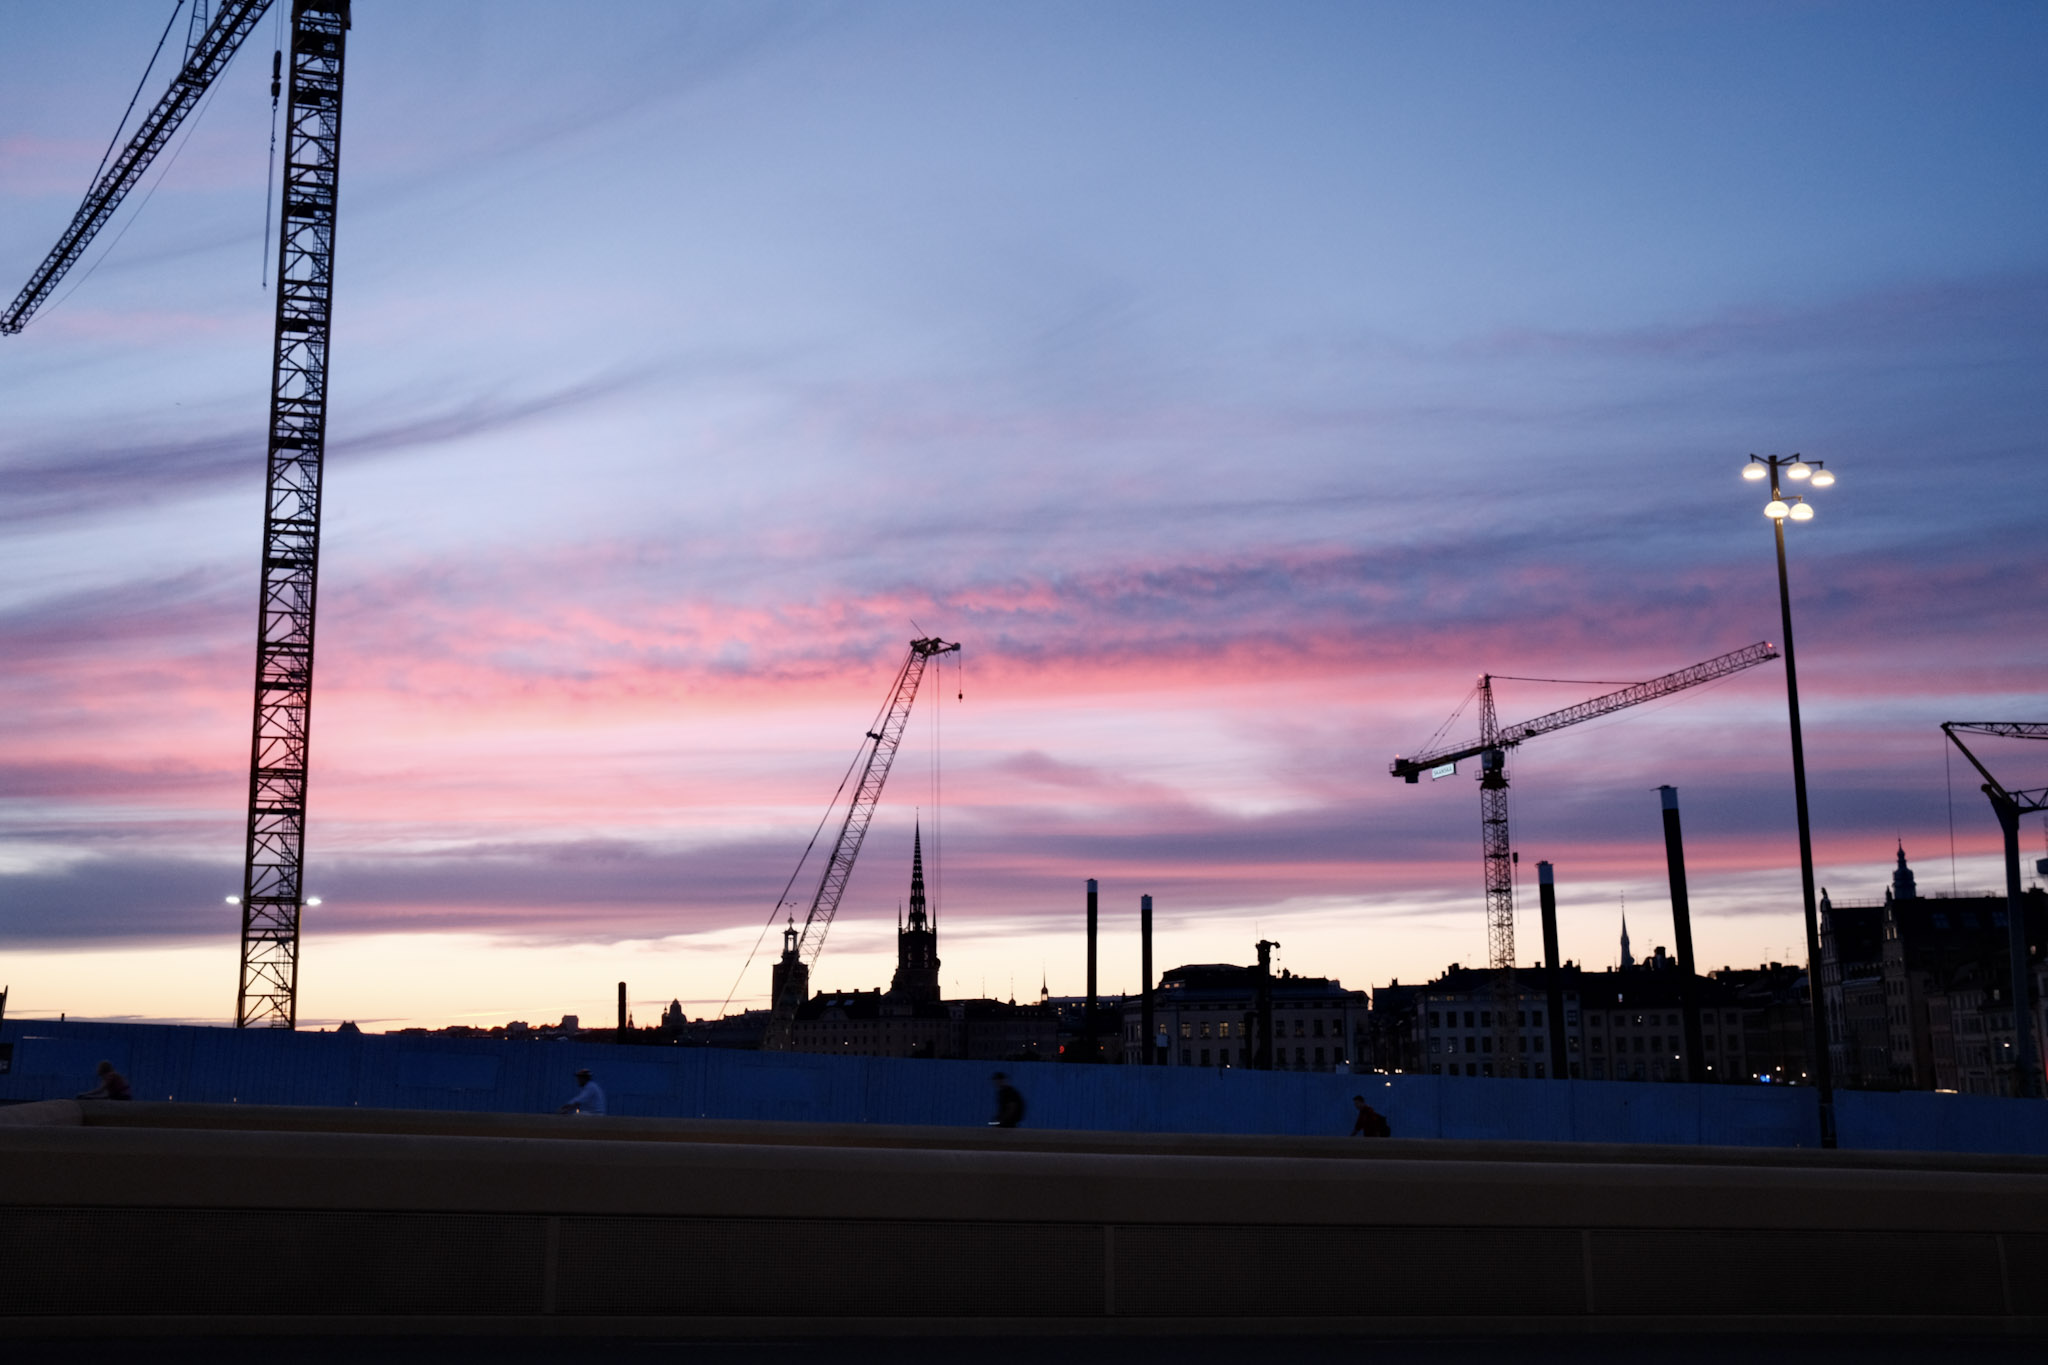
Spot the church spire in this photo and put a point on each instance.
(1903, 887)
(917, 915)
(1627, 959)
(917, 941)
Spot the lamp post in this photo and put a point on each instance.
(1780, 510)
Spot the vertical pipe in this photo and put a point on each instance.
(1150, 1048)
(2026, 1064)
(1262, 1057)
(1091, 955)
(1554, 970)
(1681, 929)
(622, 1007)
(1823, 1063)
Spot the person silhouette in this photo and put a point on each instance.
(587, 1100)
(1009, 1103)
(113, 1085)
(1370, 1122)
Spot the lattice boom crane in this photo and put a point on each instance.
(273, 894)
(800, 948)
(1497, 855)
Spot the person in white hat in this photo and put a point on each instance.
(588, 1100)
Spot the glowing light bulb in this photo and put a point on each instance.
(1802, 511)
(1776, 510)
(1753, 471)
(1799, 470)
(1822, 478)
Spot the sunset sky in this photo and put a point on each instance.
(1236, 383)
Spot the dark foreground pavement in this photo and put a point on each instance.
(218, 1232)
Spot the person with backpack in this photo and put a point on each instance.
(1370, 1122)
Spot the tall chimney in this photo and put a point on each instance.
(1091, 954)
(1681, 928)
(1089, 1042)
(1150, 1049)
(622, 1007)
(1262, 1055)
(1547, 891)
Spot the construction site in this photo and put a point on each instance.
(1540, 1143)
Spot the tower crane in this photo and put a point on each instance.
(800, 947)
(2009, 804)
(1491, 749)
(273, 895)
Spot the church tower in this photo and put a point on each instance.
(1903, 888)
(917, 940)
(790, 982)
(1627, 958)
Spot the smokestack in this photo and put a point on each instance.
(622, 1007)
(1262, 1055)
(1150, 1051)
(1554, 970)
(1091, 955)
(1681, 928)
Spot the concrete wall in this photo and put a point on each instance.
(125, 1220)
(219, 1065)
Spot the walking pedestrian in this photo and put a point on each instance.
(1370, 1122)
(1009, 1104)
(589, 1099)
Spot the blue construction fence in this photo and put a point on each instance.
(270, 1066)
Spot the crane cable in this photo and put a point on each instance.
(783, 901)
(1441, 730)
(122, 126)
(184, 136)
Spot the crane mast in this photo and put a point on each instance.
(801, 947)
(2009, 804)
(1496, 851)
(272, 885)
(273, 890)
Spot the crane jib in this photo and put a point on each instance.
(234, 21)
(1712, 670)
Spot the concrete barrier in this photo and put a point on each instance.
(157, 1218)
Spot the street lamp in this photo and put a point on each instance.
(1781, 509)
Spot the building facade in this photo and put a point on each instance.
(1207, 1013)
(1918, 988)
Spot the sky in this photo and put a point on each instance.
(1235, 383)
